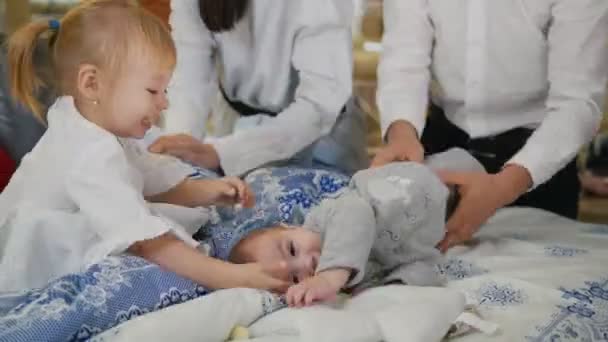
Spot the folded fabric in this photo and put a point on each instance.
(390, 313)
(209, 318)
(384, 314)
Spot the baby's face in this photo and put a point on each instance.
(298, 247)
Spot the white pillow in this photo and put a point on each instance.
(209, 318)
(389, 313)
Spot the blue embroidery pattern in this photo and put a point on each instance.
(79, 306)
(457, 269)
(495, 295)
(283, 195)
(309, 191)
(560, 251)
(583, 316)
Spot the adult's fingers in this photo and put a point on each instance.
(453, 177)
(450, 240)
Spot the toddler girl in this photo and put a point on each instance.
(85, 190)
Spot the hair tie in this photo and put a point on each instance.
(54, 24)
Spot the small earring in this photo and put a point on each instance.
(95, 102)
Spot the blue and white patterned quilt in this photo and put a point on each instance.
(77, 307)
(283, 195)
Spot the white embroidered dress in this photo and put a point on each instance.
(79, 197)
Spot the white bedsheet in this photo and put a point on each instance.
(538, 276)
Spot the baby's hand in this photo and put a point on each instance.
(231, 191)
(319, 288)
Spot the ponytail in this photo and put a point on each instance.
(24, 82)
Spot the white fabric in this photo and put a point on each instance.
(499, 65)
(79, 196)
(379, 314)
(209, 318)
(376, 315)
(519, 268)
(287, 57)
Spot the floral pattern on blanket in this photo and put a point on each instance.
(562, 251)
(457, 269)
(77, 307)
(492, 294)
(583, 316)
(283, 195)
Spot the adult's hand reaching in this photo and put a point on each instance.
(189, 149)
(403, 145)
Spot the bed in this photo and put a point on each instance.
(536, 276)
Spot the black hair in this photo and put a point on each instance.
(222, 15)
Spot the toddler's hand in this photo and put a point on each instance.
(256, 276)
(322, 287)
(232, 191)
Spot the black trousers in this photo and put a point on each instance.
(559, 195)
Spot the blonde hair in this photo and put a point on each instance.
(104, 33)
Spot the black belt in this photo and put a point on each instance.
(502, 146)
(246, 110)
(440, 134)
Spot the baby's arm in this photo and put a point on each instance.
(348, 229)
(320, 288)
(170, 253)
(206, 192)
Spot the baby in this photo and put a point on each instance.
(382, 229)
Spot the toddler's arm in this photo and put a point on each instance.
(101, 185)
(206, 192)
(173, 254)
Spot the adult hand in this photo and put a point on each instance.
(189, 149)
(403, 145)
(481, 194)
